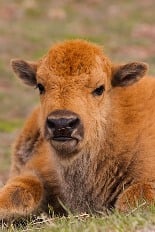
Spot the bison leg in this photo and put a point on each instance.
(21, 196)
(137, 195)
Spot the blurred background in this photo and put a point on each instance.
(125, 29)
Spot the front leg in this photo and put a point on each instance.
(140, 194)
(21, 196)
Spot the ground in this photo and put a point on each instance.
(125, 29)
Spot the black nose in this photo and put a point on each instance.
(62, 124)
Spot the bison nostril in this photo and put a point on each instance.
(50, 123)
(74, 123)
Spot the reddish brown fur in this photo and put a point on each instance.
(113, 165)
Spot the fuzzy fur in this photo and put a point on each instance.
(114, 165)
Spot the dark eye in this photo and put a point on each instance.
(98, 91)
(41, 88)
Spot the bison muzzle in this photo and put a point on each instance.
(64, 130)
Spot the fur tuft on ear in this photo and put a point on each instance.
(128, 74)
(26, 71)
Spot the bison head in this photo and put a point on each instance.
(74, 80)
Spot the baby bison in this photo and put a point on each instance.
(90, 144)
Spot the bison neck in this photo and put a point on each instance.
(92, 183)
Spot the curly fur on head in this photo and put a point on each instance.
(74, 58)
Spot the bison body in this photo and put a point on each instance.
(90, 145)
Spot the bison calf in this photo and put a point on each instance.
(90, 144)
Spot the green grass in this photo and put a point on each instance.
(138, 221)
(9, 126)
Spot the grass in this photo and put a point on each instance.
(9, 126)
(125, 28)
(139, 221)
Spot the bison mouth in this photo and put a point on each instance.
(62, 138)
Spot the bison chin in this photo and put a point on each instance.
(64, 144)
(65, 148)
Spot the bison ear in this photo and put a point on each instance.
(127, 74)
(26, 71)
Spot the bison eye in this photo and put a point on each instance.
(41, 88)
(98, 91)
